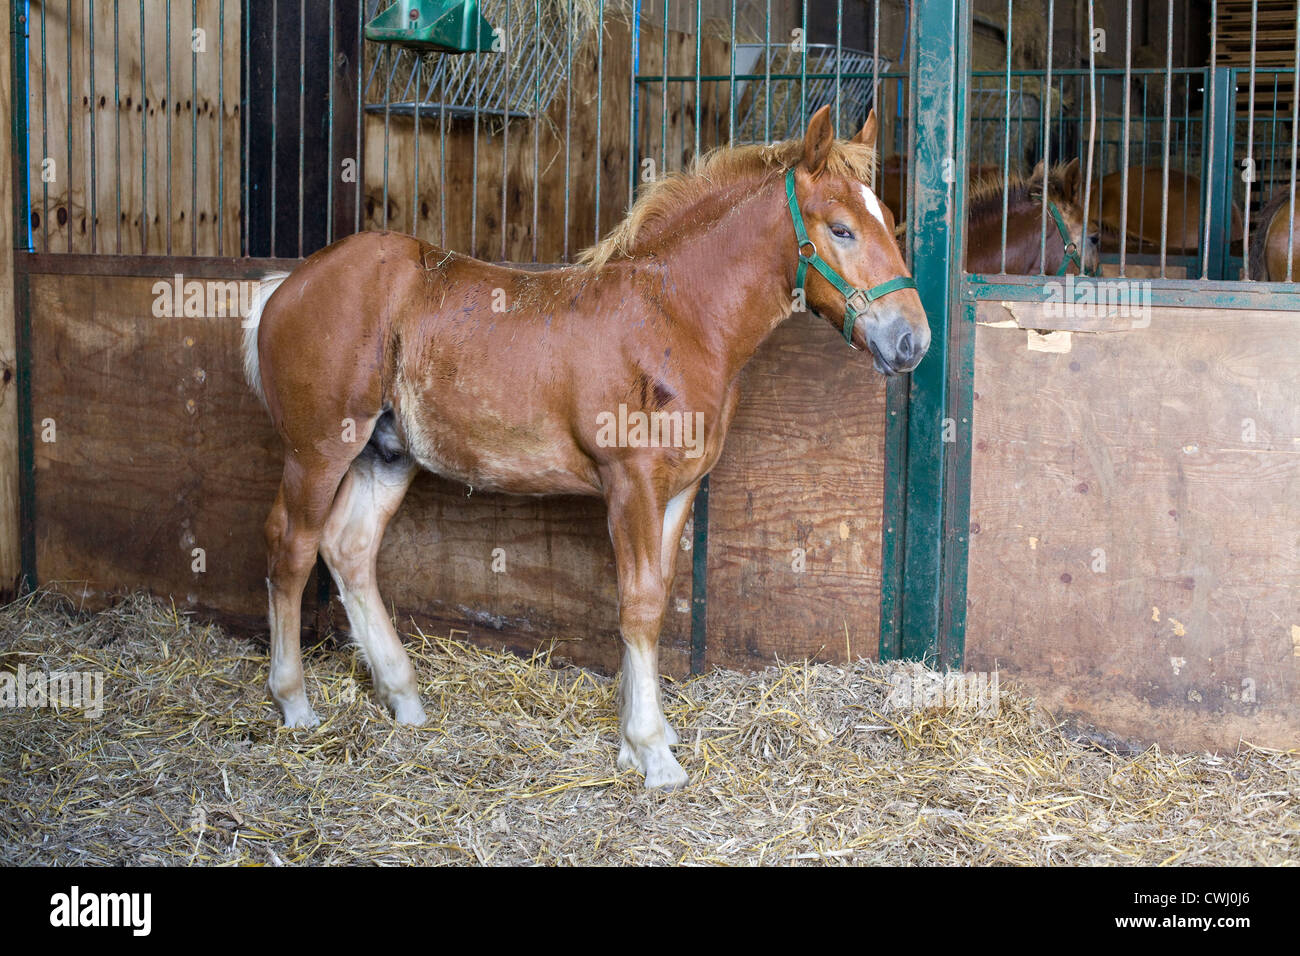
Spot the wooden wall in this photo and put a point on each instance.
(159, 448)
(1135, 520)
(130, 132)
(505, 155)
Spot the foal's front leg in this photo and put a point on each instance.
(636, 527)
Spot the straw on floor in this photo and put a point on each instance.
(800, 763)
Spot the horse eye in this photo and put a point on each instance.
(841, 232)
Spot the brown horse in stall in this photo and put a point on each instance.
(1145, 192)
(382, 354)
(1065, 248)
(1268, 243)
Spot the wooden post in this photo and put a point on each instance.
(10, 470)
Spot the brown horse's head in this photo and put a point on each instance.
(854, 233)
(1065, 191)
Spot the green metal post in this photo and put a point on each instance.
(927, 489)
(1220, 171)
(19, 21)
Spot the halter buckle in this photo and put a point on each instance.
(863, 301)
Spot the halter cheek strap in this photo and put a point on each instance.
(856, 300)
(1071, 247)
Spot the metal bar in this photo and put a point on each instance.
(505, 133)
(600, 108)
(1189, 293)
(67, 170)
(1006, 142)
(767, 67)
(192, 267)
(388, 102)
(699, 30)
(803, 66)
(442, 164)
(1047, 140)
(839, 54)
(700, 578)
(361, 109)
(167, 100)
(1164, 160)
(117, 127)
(93, 211)
(633, 151)
(245, 186)
(1219, 172)
(1123, 166)
(473, 193)
(731, 82)
(1250, 141)
(568, 126)
(19, 24)
(275, 110)
(1092, 134)
(45, 133)
(537, 118)
(221, 125)
(1289, 275)
(415, 186)
(330, 71)
(663, 92)
(302, 113)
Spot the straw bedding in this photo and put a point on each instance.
(797, 764)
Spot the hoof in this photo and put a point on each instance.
(300, 716)
(409, 710)
(666, 775)
(661, 769)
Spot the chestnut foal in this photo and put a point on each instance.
(382, 354)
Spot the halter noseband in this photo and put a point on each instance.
(855, 300)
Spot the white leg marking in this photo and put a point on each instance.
(645, 741)
(353, 533)
(286, 678)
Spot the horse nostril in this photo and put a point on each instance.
(904, 348)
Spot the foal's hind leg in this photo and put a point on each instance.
(293, 532)
(370, 494)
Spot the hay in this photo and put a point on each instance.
(796, 764)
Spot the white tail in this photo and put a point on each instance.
(252, 367)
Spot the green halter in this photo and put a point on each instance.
(855, 300)
(1071, 247)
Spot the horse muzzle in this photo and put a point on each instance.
(896, 347)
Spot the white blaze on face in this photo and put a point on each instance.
(872, 203)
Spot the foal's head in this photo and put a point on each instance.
(854, 233)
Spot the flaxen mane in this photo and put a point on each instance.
(667, 201)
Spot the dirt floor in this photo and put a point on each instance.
(800, 763)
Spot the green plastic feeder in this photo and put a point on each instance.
(445, 26)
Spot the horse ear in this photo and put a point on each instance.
(1072, 181)
(867, 135)
(1037, 174)
(817, 141)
